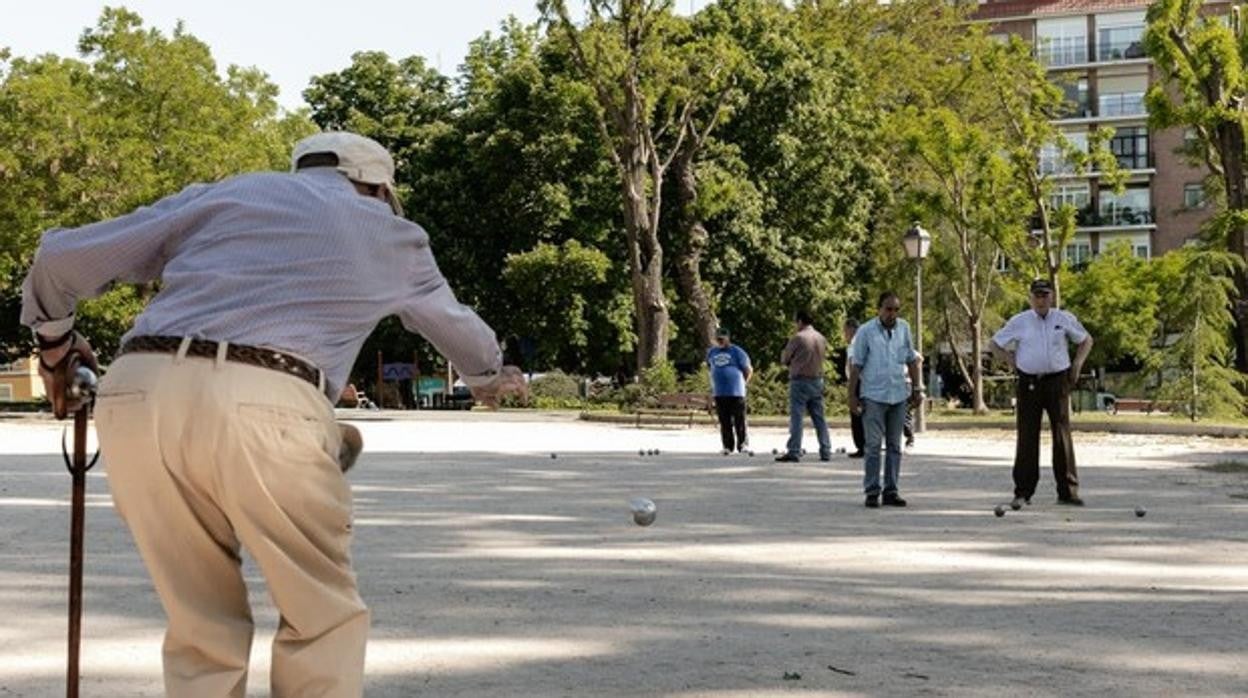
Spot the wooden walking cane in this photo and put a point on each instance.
(79, 388)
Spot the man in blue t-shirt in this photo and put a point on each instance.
(730, 371)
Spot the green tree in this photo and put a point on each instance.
(138, 116)
(1197, 365)
(1203, 61)
(1028, 103)
(559, 289)
(975, 205)
(794, 180)
(637, 56)
(1116, 297)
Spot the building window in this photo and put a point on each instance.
(1119, 36)
(1078, 254)
(1120, 43)
(1130, 146)
(1062, 41)
(1121, 95)
(1137, 243)
(1077, 104)
(1077, 194)
(1051, 159)
(6, 392)
(1003, 264)
(1132, 207)
(1193, 196)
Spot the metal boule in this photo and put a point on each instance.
(83, 383)
(644, 511)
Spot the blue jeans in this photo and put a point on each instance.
(806, 394)
(882, 421)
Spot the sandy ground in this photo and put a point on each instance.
(493, 569)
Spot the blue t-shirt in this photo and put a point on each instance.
(728, 367)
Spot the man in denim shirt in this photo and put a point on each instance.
(879, 349)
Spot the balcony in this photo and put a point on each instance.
(1078, 107)
(1120, 43)
(1062, 51)
(1106, 217)
(1116, 216)
(1121, 104)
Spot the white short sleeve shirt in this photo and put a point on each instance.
(1041, 344)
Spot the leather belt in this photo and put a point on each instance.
(1041, 376)
(239, 353)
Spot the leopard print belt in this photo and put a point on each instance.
(240, 353)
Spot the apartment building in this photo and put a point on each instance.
(20, 381)
(1094, 49)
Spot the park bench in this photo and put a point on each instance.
(685, 405)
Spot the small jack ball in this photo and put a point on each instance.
(1139, 511)
(641, 452)
(554, 455)
(999, 511)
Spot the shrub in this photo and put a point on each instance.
(555, 385)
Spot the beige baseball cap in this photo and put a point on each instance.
(360, 159)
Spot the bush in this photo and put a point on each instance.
(768, 392)
(659, 379)
(555, 385)
(697, 382)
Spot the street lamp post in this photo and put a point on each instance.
(917, 242)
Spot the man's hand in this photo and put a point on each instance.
(1072, 378)
(55, 368)
(855, 405)
(509, 381)
(916, 397)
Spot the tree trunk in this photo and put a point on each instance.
(977, 363)
(1231, 145)
(645, 266)
(691, 244)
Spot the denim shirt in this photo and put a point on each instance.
(881, 357)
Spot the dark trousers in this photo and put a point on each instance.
(855, 428)
(1038, 395)
(731, 411)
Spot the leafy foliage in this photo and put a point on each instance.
(139, 116)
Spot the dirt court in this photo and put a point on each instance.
(493, 569)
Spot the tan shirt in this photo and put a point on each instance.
(804, 354)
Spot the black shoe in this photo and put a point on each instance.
(1070, 501)
(909, 443)
(857, 454)
(894, 500)
(1018, 502)
(788, 458)
(873, 501)
(825, 457)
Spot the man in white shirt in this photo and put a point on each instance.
(216, 420)
(1035, 343)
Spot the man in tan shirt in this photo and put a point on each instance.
(804, 356)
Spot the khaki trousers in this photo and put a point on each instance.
(204, 457)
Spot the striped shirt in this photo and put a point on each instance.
(300, 263)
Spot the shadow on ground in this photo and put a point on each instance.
(512, 575)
